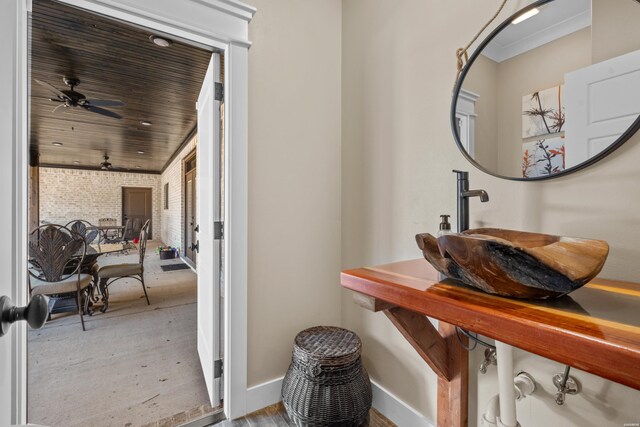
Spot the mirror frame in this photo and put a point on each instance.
(456, 93)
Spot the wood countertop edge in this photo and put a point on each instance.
(597, 356)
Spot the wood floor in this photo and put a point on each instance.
(275, 416)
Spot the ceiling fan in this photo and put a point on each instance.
(70, 98)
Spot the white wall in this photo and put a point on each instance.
(173, 218)
(294, 177)
(69, 194)
(398, 69)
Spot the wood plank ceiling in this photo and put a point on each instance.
(113, 61)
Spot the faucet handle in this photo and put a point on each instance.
(489, 359)
(565, 384)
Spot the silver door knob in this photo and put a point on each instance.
(35, 313)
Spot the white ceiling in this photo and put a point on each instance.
(556, 19)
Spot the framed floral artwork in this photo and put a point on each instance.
(543, 112)
(543, 157)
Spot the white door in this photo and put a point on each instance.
(602, 101)
(208, 212)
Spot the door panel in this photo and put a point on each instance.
(208, 208)
(598, 105)
(136, 207)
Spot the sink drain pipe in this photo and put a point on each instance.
(501, 409)
(506, 390)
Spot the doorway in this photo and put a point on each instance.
(146, 373)
(136, 210)
(190, 207)
(215, 24)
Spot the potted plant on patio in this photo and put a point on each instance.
(167, 252)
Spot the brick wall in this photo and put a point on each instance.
(68, 194)
(173, 218)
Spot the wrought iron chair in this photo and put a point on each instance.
(85, 229)
(55, 257)
(108, 237)
(90, 266)
(109, 274)
(127, 234)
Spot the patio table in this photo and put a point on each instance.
(90, 263)
(103, 231)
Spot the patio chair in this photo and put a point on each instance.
(108, 236)
(83, 228)
(56, 255)
(126, 236)
(109, 274)
(135, 226)
(89, 232)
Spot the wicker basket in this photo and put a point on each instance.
(326, 384)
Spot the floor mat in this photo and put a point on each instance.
(174, 267)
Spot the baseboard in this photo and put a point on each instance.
(189, 263)
(396, 410)
(263, 395)
(403, 415)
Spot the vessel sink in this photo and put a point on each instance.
(515, 264)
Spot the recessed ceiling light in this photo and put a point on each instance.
(160, 41)
(140, 152)
(57, 144)
(75, 162)
(526, 15)
(146, 123)
(138, 167)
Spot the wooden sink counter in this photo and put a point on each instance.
(596, 328)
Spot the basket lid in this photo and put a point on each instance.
(324, 342)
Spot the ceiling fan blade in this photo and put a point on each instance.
(105, 103)
(52, 88)
(103, 111)
(55, 109)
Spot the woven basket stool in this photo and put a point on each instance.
(326, 384)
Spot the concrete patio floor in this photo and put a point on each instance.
(134, 365)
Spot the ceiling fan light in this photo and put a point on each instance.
(160, 41)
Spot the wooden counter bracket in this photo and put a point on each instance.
(442, 350)
(423, 337)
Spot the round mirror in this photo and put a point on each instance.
(555, 88)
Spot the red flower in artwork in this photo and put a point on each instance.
(559, 152)
(526, 163)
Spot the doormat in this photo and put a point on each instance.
(174, 267)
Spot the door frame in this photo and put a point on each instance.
(122, 198)
(218, 24)
(190, 156)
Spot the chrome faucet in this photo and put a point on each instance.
(463, 199)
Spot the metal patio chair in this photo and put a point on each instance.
(56, 255)
(112, 273)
